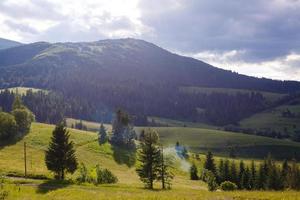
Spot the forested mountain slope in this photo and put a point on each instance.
(137, 76)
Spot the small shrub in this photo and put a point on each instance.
(104, 176)
(228, 186)
(211, 181)
(83, 174)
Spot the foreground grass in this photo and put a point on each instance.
(37, 190)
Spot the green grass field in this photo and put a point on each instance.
(201, 140)
(270, 96)
(247, 146)
(273, 120)
(176, 123)
(89, 152)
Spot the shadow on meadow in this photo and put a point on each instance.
(52, 185)
(123, 155)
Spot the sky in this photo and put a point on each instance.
(259, 37)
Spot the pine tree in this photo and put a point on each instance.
(164, 171)
(253, 175)
(233, 173)
(60, 155)
(102, 138)
(284, 174)
(149, 157)
(294, 176)
(226, 170)
(210, 163)
(194, 172)
(241, 173)
(221, 177)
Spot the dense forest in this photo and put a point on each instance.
(215, 108)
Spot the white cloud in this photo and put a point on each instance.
(283, 68)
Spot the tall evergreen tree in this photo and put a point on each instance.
(102, 138)
(253, 175)
(233, 173)
(150, 158)
(60, 155)
(226, 170)
(221, 177)
(294, 176)
(210, 163)
(284, 174)
(164, 171)
(194, 172)
(241, 173)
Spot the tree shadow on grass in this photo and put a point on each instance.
(124, 155)
(52, 185)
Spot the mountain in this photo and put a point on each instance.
(137, 76)
(4, 43)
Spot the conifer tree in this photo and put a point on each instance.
(194, 172)
(226, 170)
(253, 175)
(164, 170)
(210, 163)
(102, 138)
(294, 176)
(284, 174)
(150, 158)
(241, 172)
(233, 173)
(60, 155)
(221, 177)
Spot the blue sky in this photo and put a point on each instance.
(258, 37)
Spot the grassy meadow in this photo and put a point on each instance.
(273, 120)
(119, 161)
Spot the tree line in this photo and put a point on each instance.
(214, 108)
(268, 175)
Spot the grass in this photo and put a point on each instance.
(270, 96)
(91, 126)
(247, 146)
(273, 120)
(201, 140)
(40, 191)
(176, 123)
(128, 187)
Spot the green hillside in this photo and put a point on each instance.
(273, 119)
(89, 152)
(201, 140)
(270, 96)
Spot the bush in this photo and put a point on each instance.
(228, 186)
(83, 174)
(211, 181)
(104, 176)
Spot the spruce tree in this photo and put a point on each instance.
(221, 177)
(194, 172)
(233, 173)
(164, 171)
(226, 170)
(253, 175)
(210, 163)
(149, 157)
(241, 173)
(60, 155)
(102, 138)
(284, 174)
